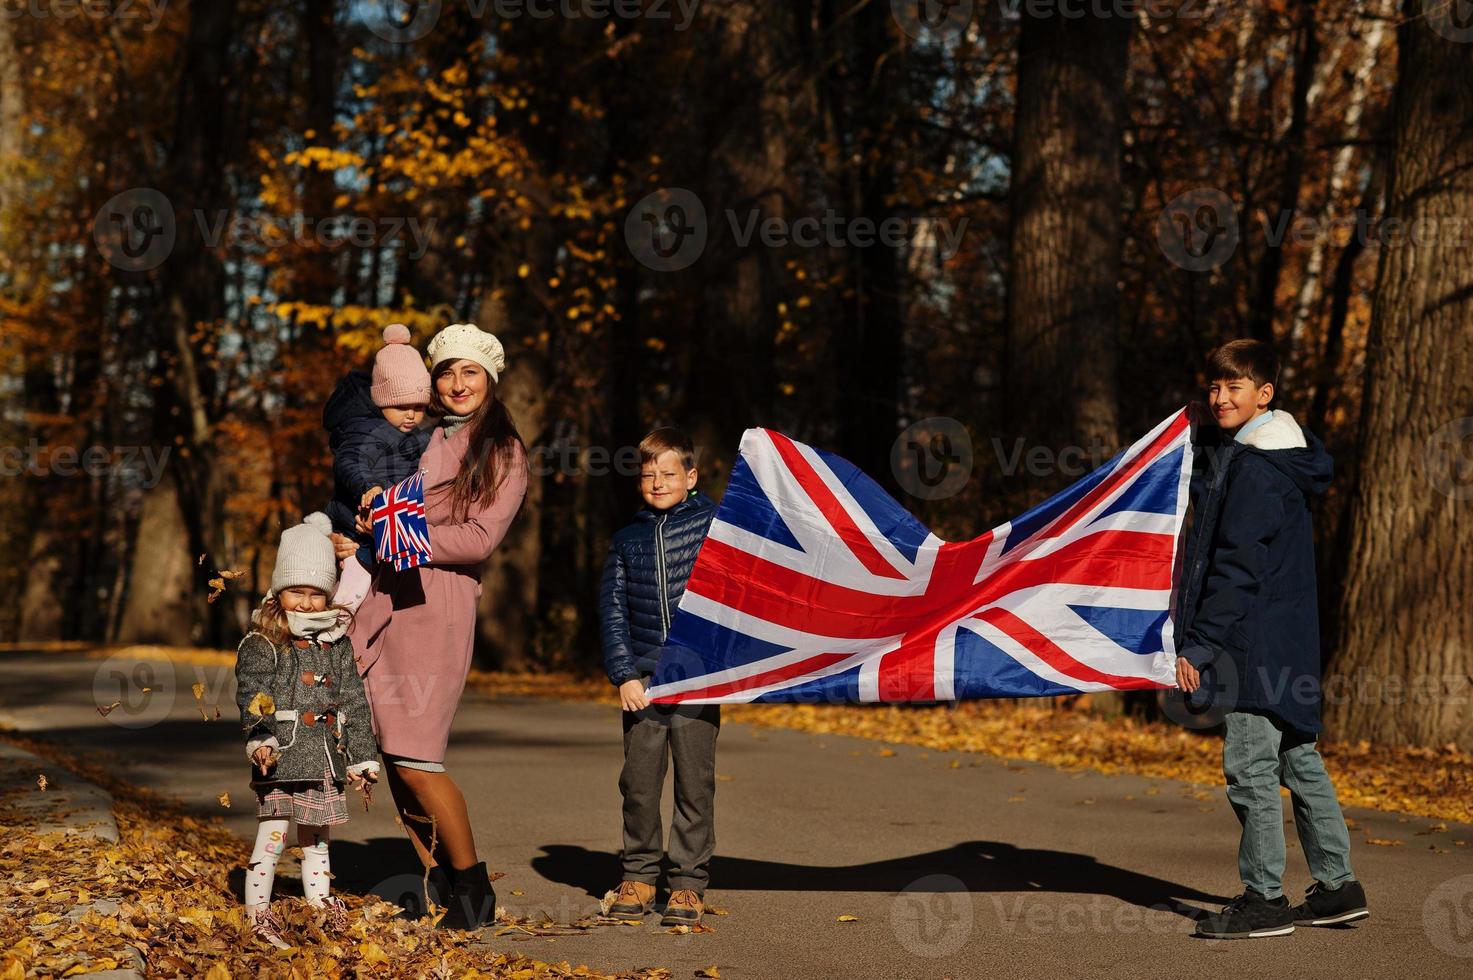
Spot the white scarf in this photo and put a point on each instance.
(325, 626)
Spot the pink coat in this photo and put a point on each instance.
(415, 630)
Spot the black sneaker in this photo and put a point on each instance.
(1249, 916)
(1332, 907)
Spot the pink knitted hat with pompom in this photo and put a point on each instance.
(399, 375)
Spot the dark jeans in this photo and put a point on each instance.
(651, 737)
(1260, 753)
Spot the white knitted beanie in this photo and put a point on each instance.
(399, 375)
(468, 341)
(306, 556)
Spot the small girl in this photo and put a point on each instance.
(306, 721)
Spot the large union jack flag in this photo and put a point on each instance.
(814, 585)
(401, 534)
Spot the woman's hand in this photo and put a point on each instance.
(343, 546)
(262, 757)
(368, 495)
(632, 696)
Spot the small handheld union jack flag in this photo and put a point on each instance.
(401, 534)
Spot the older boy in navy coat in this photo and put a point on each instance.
(1248, 607)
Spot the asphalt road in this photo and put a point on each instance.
(974, 871)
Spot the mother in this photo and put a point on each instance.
(415, 630)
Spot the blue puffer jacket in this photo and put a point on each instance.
(648, 565)
(1248, 608)
(366, 452)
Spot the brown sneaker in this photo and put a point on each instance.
(632, 900)
(683, 909)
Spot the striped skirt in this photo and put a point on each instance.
(309, 804)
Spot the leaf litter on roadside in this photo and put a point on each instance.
(167, 885)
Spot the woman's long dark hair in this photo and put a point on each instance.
(495, 448)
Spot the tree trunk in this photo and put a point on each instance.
(730, 376)
(191, 304)
(1307, 50)
(868, 340)
(1063, 301)
(507, 620)
(1340, 172)
(1406, 654)
(159, 607)
(12, 118)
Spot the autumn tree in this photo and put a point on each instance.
(1063, 298)
(1406, 649)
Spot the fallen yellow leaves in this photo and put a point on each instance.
(217, 584)
(262, 704)
(165, 890)
(847, 918)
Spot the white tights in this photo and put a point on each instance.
(270, 843)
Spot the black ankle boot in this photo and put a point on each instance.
(472, 901)
(439, 887)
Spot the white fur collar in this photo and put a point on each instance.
(1279, 432)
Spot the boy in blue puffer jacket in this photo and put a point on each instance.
(1250, 635)
(648, 565)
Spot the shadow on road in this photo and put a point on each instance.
(384, 866)
(982, 866)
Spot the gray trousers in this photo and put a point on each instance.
(651, 737)
(1259, 754)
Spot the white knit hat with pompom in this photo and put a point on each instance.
(469, 342)
(306, 556)
(399, 375)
